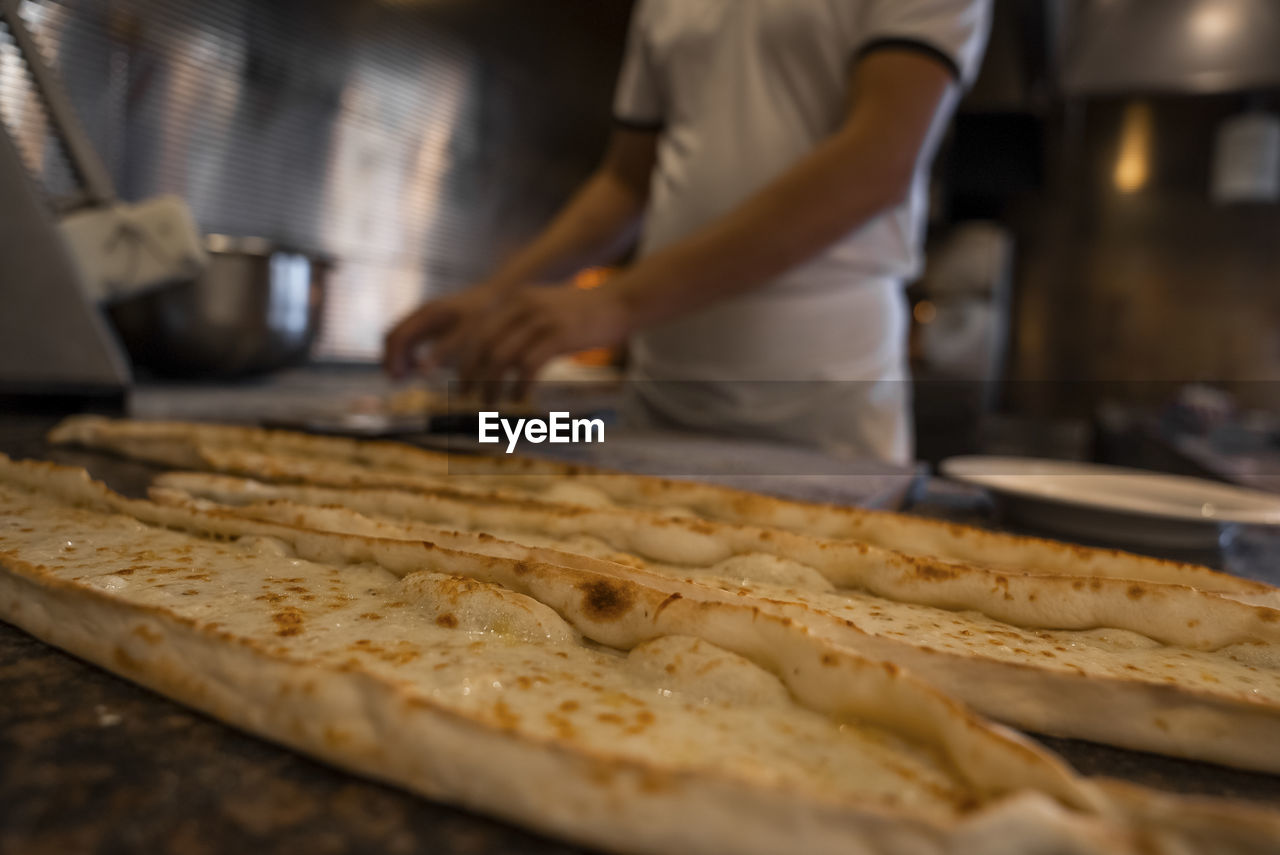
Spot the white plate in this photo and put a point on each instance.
(1115, 504)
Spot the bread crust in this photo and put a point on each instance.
(379, 726)
(1138, 708)
(194, 446)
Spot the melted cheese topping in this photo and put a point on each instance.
(1246, 671)
(489, 653)
(1233, 671)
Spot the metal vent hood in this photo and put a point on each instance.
(1181, 46)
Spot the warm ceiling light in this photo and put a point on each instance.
(1133, 164)
(1214, 22)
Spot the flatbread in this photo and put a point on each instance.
(347, 462)
(1141, 665)
(567, 701)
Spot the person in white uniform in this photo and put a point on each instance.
(773, 156)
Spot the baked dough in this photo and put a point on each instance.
(598, 709)
(1150, 655)
(347, 462)
(1142, 665)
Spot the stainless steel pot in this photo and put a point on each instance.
(256, 308)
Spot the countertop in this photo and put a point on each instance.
(92, 763)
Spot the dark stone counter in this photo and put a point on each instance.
(92, 763)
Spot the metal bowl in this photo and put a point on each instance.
(256, 308)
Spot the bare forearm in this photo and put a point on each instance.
(593, 227)
(896, 97)
(841, 185)
(862, 170)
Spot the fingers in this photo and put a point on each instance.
(532, 327)
(485, 342)
(535, 357)
(483, 336)
(405, 337)
(448, 347)
(509, 352)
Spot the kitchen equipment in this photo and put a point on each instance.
(1192, 46)
(961, 310)
(63, 251)
(962, 319)
(50, 335)
(1113, 504)
(1246, 159)
(255, 308)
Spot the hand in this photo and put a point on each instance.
(444, 318)
(521, 333)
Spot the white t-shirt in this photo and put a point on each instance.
(741, 91)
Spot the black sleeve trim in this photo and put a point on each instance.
(649, 127)
(900, 43)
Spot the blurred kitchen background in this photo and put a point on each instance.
(1105, 244)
